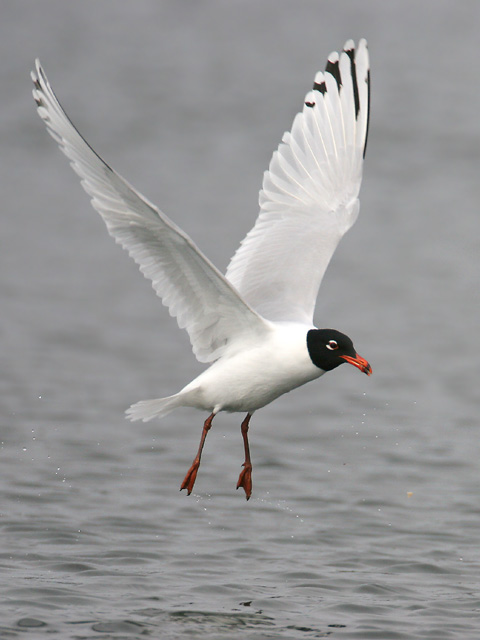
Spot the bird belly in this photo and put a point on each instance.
(255, 377)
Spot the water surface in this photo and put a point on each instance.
(365, 515)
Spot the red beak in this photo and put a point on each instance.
(360, 363)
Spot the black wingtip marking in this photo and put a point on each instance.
(351, 54)
(310, 104)
(333, 69)
(320, 86)
(38, 99)
(368, 114)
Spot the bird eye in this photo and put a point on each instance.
(332, 345)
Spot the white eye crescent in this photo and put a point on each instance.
(332, 345)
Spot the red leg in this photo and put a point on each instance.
(191, 476)
(245, 477)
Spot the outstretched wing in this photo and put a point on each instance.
(309, 195)
(196, 293)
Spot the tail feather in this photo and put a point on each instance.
(145, 410)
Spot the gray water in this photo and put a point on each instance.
(365, 516)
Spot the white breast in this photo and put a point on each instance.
(256, 376)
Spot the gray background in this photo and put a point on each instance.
(365, 515)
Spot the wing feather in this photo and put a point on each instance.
(196, 293)
(309, 194)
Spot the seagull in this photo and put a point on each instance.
(253, 326)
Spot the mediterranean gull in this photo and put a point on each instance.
(253, 326)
